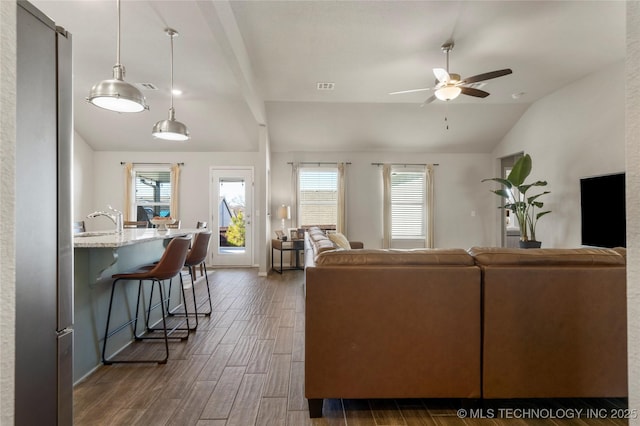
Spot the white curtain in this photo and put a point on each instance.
(129, 184)
(341, 224)
(295, 167)
(428, 243)
(386, 203)
(175, 185)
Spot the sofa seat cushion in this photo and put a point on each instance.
(395, 257)
(496, 256)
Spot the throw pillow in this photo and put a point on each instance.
(340, 240)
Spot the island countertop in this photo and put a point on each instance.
(110, 239)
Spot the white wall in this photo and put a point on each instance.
(458, 193)
(575, 132)
(633, 203)
(83, 178)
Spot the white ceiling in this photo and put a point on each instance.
(245, 63)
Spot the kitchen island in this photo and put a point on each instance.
(97, 256)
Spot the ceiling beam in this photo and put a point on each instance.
(224, 27)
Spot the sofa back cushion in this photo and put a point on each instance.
(340, 240)
(319, 241)
(495, 256)
(395, 257)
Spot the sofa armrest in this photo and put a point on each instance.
(356, 244)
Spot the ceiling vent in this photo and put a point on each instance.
(325, 86)
(147, 86)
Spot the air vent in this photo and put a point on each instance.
(325, 86)
(147, 86)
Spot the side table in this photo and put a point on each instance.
(294, 246)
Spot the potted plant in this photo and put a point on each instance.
(526, 208)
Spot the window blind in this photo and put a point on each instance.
(408, 197)
(318, 196)
(153, 191)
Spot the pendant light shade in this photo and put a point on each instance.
(171, 129)
(115, 94)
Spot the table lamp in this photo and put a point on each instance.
(284, 213)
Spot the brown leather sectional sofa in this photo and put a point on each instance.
(453, 323)
(555, 323)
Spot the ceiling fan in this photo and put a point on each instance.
(449, 85)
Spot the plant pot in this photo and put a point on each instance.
(530, 244)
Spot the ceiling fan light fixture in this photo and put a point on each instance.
(447, 93)
(171, 129)
(116, 94)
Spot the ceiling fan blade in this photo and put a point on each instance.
(487, 76)
(474, 92)
(428, 101)
(410, 91)
(441, 74)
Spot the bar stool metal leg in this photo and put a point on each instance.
(185, 314)
(162, 302)
(134, 321)
(206, 277)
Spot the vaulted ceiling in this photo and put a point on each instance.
(241, 64)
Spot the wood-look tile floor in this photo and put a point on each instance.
(245, 366)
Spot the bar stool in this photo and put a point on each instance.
(196, 256)
(169, 266)
(201, 225)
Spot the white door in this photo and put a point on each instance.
(231, 216)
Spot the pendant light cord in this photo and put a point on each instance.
(172, 34)
(118, 37)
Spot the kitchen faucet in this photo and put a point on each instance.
(115, 216)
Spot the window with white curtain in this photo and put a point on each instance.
(408, 204)
(317, 196)
(152, 192)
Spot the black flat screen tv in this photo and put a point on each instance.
(602, 201)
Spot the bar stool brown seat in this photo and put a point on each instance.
(196, 256)
(170, 265)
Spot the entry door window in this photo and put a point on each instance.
(231, 215)
(231, 201)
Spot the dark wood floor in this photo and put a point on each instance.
(245, 366)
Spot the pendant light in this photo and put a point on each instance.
(171, 129)
(115, 94)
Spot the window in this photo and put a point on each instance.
(408, 204)
(151, 190)
(318, 196)
(152, 193)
